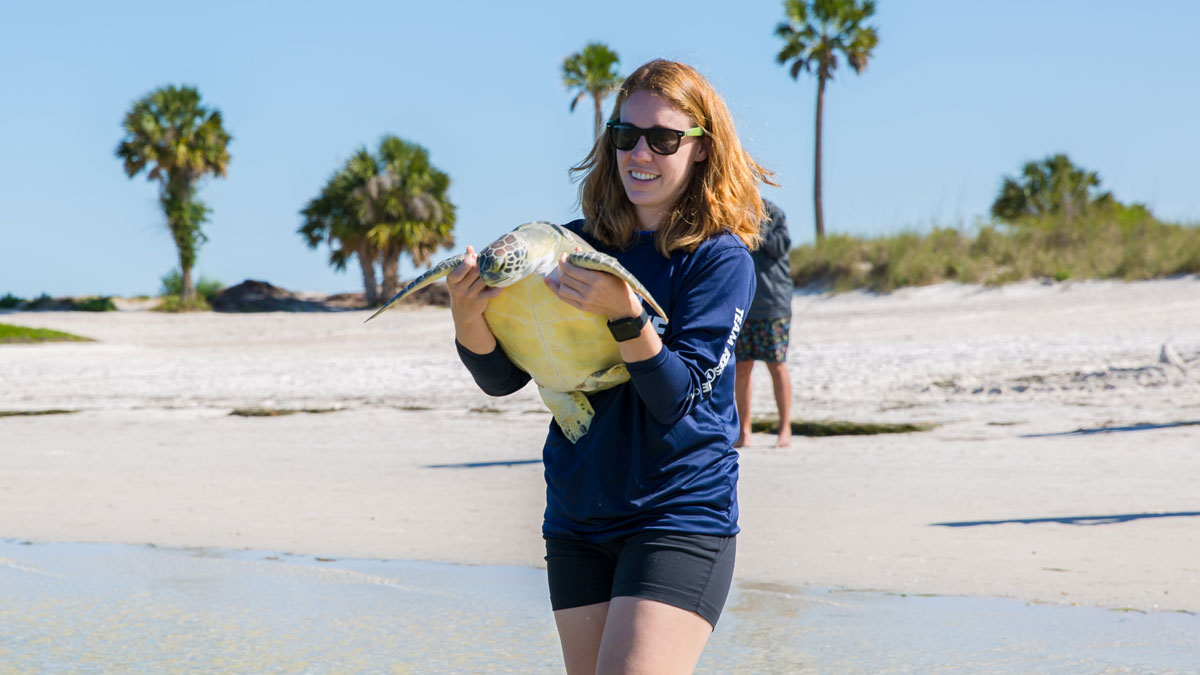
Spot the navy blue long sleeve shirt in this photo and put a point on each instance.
(659, 453)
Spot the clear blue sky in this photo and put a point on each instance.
(957, 95)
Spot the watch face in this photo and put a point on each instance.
(624, 330)
(628, 328)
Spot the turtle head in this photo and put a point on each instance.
(504, 262)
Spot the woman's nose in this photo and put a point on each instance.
(641, 151)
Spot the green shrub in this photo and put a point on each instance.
(172, 284)
(173, 303)
(43, 301)
(95, 304)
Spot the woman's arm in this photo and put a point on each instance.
(705, 321)
(468, 299)
(607, 295)
(477, 347)
(706, 318)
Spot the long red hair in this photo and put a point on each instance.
(722, 192)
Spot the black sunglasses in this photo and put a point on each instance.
(662, 141)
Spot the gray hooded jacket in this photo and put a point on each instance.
(773, 299)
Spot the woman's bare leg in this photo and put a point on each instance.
(645, 636)
(783, 401)
(580, 630)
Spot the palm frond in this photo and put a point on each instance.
(815, 32)
(593, 70)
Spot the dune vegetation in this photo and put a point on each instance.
(1051, 223)
(1123, 243)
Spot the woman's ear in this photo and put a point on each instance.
(702, 151)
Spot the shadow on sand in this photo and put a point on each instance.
(483, 465)
(1073, 520)
(1113, 430)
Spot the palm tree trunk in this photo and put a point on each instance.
(187, 296)
(181, 213)
(599, 124)
(390, 262)
(366, 261)
(817, 205)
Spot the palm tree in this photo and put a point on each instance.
(593, 72)
(333, 216)
(1052, 186)
(180, 141)
(814, 33)
(380, 206)
(407, 207)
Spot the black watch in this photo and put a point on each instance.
(629, 327)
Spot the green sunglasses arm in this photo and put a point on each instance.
(694, 131)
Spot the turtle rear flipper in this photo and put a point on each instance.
(571, 410)
(606, 379)
(595, 260)
(439, 271)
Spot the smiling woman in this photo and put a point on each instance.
(641, 518)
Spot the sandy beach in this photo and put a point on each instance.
(1062, 468)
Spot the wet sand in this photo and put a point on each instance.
(102, 608)
(1061, 470)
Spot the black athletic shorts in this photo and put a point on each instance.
(689, 571)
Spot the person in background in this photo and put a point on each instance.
(768, 326)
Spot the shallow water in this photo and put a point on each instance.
(96, 608)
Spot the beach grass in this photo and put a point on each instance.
(1111, 242)
(836, 427)
(10, 334)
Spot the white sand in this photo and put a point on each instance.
(1007, 373)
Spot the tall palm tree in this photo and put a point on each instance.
(380, 206)
(1052, 186)
(181, 141)
(593, 72)
(814, 33)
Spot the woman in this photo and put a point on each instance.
(641, 512)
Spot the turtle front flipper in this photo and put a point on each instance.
(595, 260)
(439, 271)
(571, 410)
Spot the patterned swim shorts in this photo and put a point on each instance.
(764, 340)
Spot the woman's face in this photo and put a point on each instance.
(654, 182)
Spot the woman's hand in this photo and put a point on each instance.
(593, 291)
(469, 298)
(607, 295)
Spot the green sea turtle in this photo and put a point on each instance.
(565, 350)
